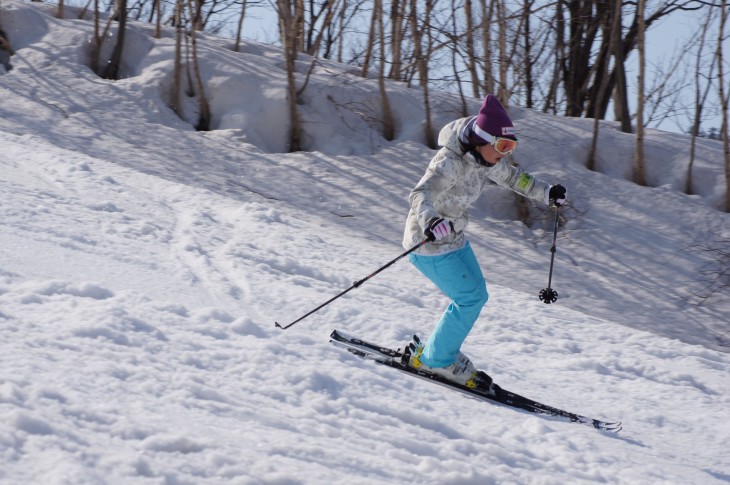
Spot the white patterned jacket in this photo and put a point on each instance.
(452, 182)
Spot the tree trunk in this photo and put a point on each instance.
(342, 22)
(602, 90)
(724, 98)
(502, 92)
(422, 65)
(388, 123)
(96, 42)
(621, 99)
(486, 45)
(289, 24)
(700, 99)
(196, 16)
(397, 8)
(529, 81)
(299, 26)
(470, 51)
(313, 48)
(582, 27)
(112, 68)
(464, 111)
(204, 117)
(239, 27)
(639, 169)
(370, 45)
(551, 103)
(177, 69)
(158, 23)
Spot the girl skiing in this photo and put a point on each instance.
(472, 153)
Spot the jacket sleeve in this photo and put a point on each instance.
(520, 181)
(439, 177)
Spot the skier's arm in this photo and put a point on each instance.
(520, 181)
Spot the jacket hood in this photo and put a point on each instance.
(449, 135)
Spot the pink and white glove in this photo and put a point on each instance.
(438, 228)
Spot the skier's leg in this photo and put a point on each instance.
(459, 276)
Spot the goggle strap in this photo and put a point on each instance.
(482, 134)
(493, 140)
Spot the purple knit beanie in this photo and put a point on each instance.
(494, 120)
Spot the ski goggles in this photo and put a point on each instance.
(502, 145)
(505, 146)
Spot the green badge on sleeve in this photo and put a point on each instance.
(523, 183)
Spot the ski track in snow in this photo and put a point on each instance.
(142, 266)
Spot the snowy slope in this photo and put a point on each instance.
(142, 265)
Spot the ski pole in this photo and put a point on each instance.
(355, 285)
(548, 295)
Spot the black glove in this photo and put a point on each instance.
(438, 228)
(557, 195)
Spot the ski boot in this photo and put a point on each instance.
(462, 371)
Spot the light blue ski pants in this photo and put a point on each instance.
(458, 275)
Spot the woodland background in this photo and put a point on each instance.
(564, 57)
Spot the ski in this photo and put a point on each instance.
(394, 359)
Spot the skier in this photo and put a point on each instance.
(473, 151)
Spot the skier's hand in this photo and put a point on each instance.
(557, 195)
(438, 228)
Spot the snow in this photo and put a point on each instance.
(143, 264)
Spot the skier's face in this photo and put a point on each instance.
(489, 154)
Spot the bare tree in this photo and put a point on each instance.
(421, 59)
(96, 41)
(590, 22)
(290, 14)
(177, 66)
(313, 44)
(239, 27)
(204, 117)
(724, 93)
(341, 21)
(318, 22)
(665, 93)
(158, 22)
(112, 68)
(471, 65)
(700, 96)
(398, 29)
(370, 44)
(583, 28)
(502, 92)
(551, 104)
(344, 18)
(639, 171)
(455, 65)
(603, 88)
(528, 54)
(621, 98)
(487, 13)
(388, 123)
